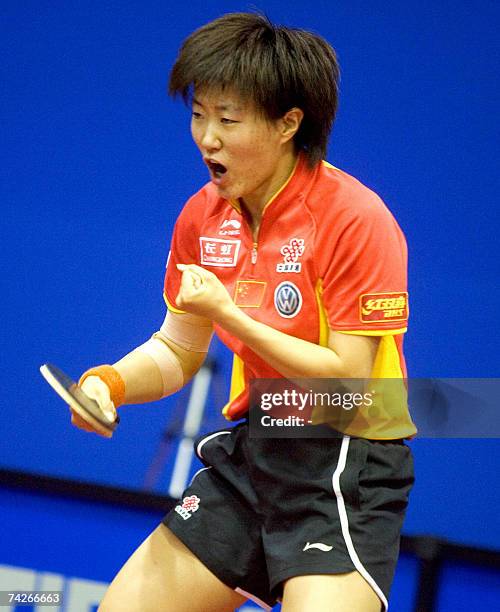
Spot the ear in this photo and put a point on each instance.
(290, 123)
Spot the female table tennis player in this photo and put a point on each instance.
(301, 271)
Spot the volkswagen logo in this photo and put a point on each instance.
(287, 299)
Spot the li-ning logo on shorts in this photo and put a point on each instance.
(378, 307)
(189, 505)
(318, 545)
(287, 299)
(291, 252)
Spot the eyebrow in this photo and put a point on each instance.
(220, 107)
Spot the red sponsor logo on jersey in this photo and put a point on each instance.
(219, 252)
(379, 307)
(291, 252)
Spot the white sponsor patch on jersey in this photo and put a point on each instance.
(219, 252)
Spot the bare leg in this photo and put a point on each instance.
(162, 574)
(330, 593)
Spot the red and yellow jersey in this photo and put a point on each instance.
(329, 254)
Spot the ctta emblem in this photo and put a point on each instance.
(291, 253)
(287, 299)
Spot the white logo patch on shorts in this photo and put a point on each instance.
(319, 546)
(189, 505)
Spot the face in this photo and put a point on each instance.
(245, 154)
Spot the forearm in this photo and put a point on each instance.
(290, 356)
(142, 378)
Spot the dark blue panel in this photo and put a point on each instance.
(465, 587)
(66, 536)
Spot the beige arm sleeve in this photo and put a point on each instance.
(166, 362)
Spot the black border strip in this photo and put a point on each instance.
(430, 549)
(40, 483)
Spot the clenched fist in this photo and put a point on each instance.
(202, 293)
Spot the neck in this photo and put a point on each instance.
(255, 204)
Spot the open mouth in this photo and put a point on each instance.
(216, 169)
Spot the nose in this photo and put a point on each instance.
(210, 140)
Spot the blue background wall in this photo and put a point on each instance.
(97, 163)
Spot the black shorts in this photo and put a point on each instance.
(265, 510)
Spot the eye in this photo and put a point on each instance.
(196, 115)
(228, 121)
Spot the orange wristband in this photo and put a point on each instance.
(112, 378)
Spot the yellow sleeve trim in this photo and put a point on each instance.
(387, 361)
(170, 307)
(324, 330)
(237, 383)
(329, 165)
(373, 332)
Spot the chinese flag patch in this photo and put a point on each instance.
(249, 293)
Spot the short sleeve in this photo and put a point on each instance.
(183, 249)
(363, 271)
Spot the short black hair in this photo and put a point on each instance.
(275, 67)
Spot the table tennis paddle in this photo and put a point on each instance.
(83, 405)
